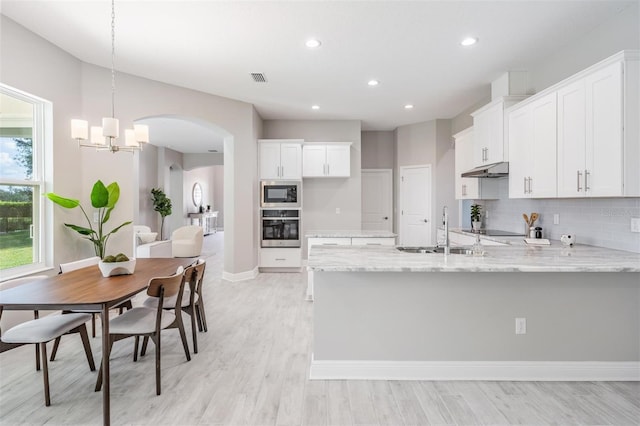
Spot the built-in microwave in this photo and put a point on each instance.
(280, 194)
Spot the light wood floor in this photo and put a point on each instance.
(252, 369)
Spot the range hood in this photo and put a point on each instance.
(496, 170)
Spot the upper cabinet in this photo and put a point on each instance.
(489, 144)
(598, 147)
(470, 188)
(532, 149)
(280, 159)
(581, 134)
(326, 159)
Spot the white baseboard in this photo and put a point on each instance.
(472, 370)
(241, 276)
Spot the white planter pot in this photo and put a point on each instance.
(476, 225)
(117, 268)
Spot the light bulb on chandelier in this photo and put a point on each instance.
(104, 138)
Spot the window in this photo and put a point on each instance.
(22, 182)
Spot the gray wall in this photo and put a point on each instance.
(322, 196)
(378, 150)
(80, 90)
(32, 64)
(443, 316)
(602, 222)
(422, 144)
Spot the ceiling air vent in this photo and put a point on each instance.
(258, 77)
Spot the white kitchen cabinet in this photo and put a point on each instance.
(276, 257)
(280, 159)
(470, 188)
(326, 160)
(596, 157)
(489, 145)
(532, 148)
(371, 241)
(465, 239)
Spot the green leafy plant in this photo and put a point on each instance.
(161, 204)
(103, 198)
(475, 212)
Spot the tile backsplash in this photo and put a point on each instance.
(603, 222)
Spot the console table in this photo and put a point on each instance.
(207, 220)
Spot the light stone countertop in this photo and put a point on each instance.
(513, 258)
(349, 233)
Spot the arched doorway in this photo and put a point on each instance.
(180, 144)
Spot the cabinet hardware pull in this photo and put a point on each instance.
(386, 218)
(279, 258)
(578, 177)
(586, 180)
(426, 220)
(329, 244)
(524, 180)
(31, 231)
(530, 191)
(328, 172)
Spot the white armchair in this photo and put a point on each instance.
(145, 244)
(186, 241)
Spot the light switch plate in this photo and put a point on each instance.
(556, 219)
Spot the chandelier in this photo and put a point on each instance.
(104, 138)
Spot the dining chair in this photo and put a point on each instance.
(143, 321)
(39, 331)
(192, 302)
(78, 264)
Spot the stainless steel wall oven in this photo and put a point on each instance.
(280, 228)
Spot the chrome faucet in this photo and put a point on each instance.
(445, 225)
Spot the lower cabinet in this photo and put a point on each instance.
(277, 257)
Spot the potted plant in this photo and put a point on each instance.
(103, 198)
(161, 204)
(475, 216)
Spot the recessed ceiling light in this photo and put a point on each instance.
(408, 106)
(469, 41)
(373, 82)
(315, 107)
(313, 43)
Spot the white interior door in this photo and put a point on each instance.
(415, 206)
(377, 199)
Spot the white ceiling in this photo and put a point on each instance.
(411, 47)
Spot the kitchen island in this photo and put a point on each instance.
(342, 237)
(383, 314)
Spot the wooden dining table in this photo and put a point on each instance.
(87, 289)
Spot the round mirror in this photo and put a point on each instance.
(196, 194)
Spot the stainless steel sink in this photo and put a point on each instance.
(434, 250)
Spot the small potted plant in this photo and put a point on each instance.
(161, 204)
(476, 216)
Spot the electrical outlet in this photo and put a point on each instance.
(556, 219)
(521, 326)
(337, 210)
(635, 224)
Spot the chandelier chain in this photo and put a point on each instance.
(113, 59)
